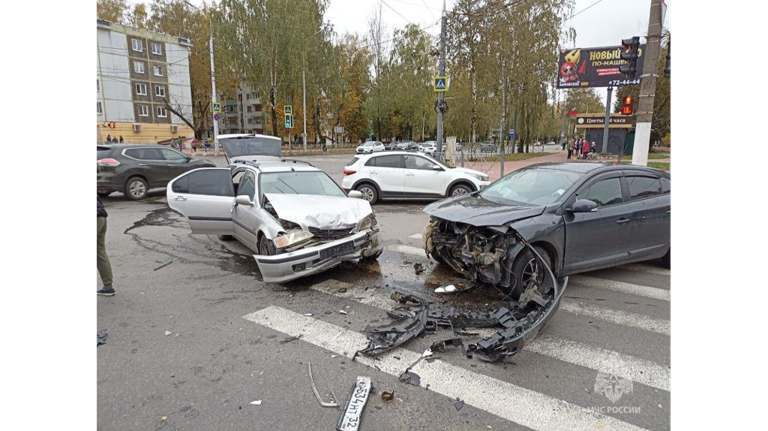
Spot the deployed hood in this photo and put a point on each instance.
(476, 211)
(324, 212)
(255, 147)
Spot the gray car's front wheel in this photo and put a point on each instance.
(136, 188)
(528, 271)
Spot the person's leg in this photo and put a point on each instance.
(102, 260)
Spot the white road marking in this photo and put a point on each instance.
(649, 269)
(407, 249)
(620, 286)
(511, 402)
(618, 317)
(417, 236)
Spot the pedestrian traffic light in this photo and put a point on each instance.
(289, 121)
(630, 54)
(626, 109)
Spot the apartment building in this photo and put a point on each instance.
(244, 113)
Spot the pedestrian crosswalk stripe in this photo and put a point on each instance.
(618, 317)
(407, 249)
(622, 287)
(649, 269)
(416, 236)
(508, 401)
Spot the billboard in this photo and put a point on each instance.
(596, 67)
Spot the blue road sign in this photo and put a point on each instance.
(217, 116)
(441, 83)
(511, 132)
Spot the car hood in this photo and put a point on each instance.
(324, 212)
(251, 146)
(476, 211)
(471, 171)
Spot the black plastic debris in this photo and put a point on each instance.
(342, 290)
(163, 265)
(289, 339)
(101, 337)
(458, 404)
(440, 346)
(410, 378)
(419, 268)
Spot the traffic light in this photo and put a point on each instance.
(626, 109)
(630, 54)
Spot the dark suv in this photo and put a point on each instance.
(133, 169)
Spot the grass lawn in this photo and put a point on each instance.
(654, 156)
(656, 165)
(517, 157)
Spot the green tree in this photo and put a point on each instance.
(111, 10)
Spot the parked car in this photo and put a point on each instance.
(370, 147)
(134, 169)
(429, 147)
(390, 146)
(293, 216)
(487, 147)
(578, 216)
(405, 175)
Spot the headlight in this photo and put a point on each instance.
(480, 177)
(368, 222)
(291, 238)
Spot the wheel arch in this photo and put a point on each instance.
(366, 181)
(552, 252)
(462, 181)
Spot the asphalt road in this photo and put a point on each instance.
(228, 329)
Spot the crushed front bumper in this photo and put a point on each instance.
(301, 263)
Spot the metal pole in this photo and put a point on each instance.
(607, 119)
(441, 95)
(648, 86)
(514, 137)
(304, 106)
(562, 128)
(213, 92)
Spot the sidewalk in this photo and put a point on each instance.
(493, 169)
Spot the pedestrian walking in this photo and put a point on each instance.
(585, 148)
(121, 139)
(114, 140)
(194, 145)
(207, 146)
(109, 139)
(571, 148)
(297, 141)
(102, 260)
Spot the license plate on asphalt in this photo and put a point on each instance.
(350, 419)
(338, 250)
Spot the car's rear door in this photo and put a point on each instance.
(176, 162)
(650, 215)
(597, 239)
(150, 163)
(205, 197)
(421, 179)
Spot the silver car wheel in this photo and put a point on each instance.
(367, 193)
(459, 191)
(137, 189)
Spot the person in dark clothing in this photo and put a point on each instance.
(102, 260)
(121, 139)
(109, 139)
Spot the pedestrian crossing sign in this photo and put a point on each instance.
(288, 110)
(216, 107)
(441, 83)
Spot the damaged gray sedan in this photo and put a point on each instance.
(293, 215)
(578, 216)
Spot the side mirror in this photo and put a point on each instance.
(243, 200)
(583, 206)
(436, 168)
(189, 159)
(355, 194)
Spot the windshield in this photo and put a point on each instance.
(443, 164)
(530, 186)
(300, 183)
(369, 144)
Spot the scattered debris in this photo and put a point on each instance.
(256, 403)
(388, 396)
(419, 268)
(520, 321)
(342, 312)
(167, 333)
(333, 402)
(447, 288)
(164, 265)
(342, 290)
(309, 314)
(353, 409)
(101, 337)
(439, 346)
(410, 378)
(458, 404)
(289, 339)
(327, 312)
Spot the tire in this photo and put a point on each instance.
(369, 193)
(104, 194)
(266, 247)
(525, 264)
(225, 238)
(459, 190)
(370, 259)
(136, 188)
(666, 260)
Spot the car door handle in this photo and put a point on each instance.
(179, 198)
(142, 164)
(622, 221)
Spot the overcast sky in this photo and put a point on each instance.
(597, 22)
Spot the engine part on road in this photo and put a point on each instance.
(353, 409)
(333, 402)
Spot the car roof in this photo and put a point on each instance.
(588, 167)
(285, 165)
(122, 146)
(388, 153)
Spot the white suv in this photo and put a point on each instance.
(370, 147)
(429, 147)
(405, 175)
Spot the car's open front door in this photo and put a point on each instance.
(205, 197)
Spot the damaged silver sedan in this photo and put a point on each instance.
(295, 218)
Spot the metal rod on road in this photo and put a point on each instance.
(607, 119)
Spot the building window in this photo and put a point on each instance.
(98, 108)
(141, 89)
(162, 112)
(98, 86)
(250, 120)
(158, 70)
(157, 49)
(137, 45)
(257, 108)
(138, 66)
(143, 111)
(248, 108)
(256, 95)
(159, 91)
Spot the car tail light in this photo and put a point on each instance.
(108, 162)
(349, 172)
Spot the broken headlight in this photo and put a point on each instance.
(291, 238)
(368, 222)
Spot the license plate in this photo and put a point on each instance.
(350, 419)
(337, 250)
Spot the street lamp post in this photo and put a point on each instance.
(304, 91)
(213, 82)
